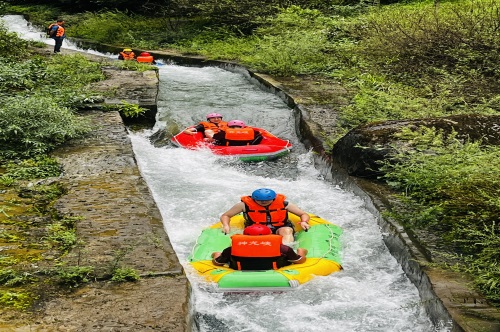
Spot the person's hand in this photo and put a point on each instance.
(190, 131)
(226, 229)
(305, 225)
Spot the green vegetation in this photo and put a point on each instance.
(40, 97)
(452, 188)
(74, 276)
(41, 167)
(129, 110)
(401, 61)
(125, 274)
(42, 101)
(15, 299)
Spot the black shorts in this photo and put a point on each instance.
(288, 223)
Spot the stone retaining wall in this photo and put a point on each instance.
(120, 227)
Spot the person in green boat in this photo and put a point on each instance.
(266, 207)
(258, 249)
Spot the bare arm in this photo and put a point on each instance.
(302, 252)
(304, 217)
(226, 216)
(214, 257)
(190, 131)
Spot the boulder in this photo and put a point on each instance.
(362, 150)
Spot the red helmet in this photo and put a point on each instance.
(145, 54)
(257, 229)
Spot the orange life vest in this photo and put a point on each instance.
(212, 126)
(255, 252)
(60, 31)
(145, 59)
(240, 135)
(129, 56)
(276, 212)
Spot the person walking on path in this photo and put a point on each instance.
(58, 33)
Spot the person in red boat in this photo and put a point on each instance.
(268, 208)
(209, 128)
(237, 133)
(258, 249)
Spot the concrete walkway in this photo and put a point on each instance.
(120, 227)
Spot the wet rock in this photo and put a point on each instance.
(362, 150)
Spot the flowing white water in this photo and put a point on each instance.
(25, 30)
(192, 189)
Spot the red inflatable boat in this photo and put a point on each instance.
(271, 147)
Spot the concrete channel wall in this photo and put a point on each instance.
(120, 226)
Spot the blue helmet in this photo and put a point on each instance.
(263, 194)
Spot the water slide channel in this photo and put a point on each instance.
(192, 189)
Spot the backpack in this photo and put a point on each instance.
(50, 31)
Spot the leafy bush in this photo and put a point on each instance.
(129, 110)
(21, 76)
(125, 274)
(34, 126)
(460, 36)
(61, 237)
(11, 46)
(453, 188)
(10, 277)
(71, 71)
(128, 29)
(74, 275)
(37, 168)
(290, 53)
(295, 42)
